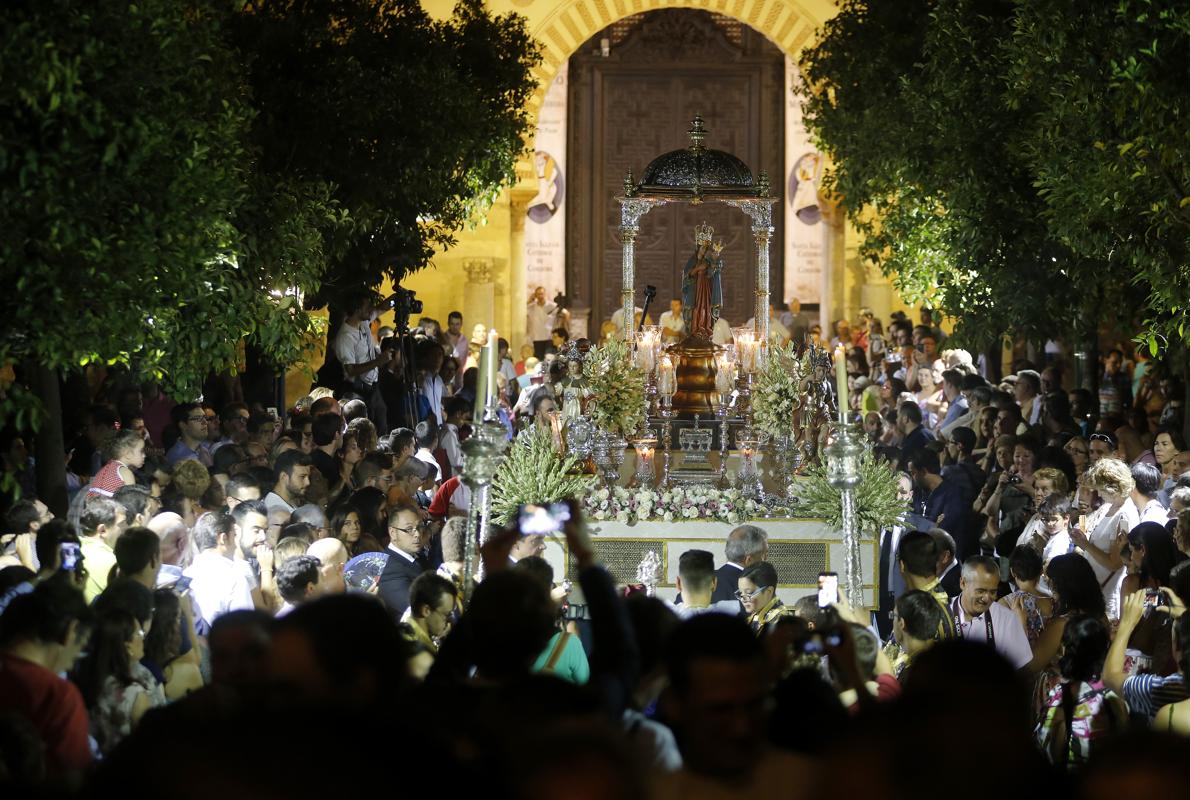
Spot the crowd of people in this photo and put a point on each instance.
(250, 604)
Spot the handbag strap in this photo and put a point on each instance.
(556, 653)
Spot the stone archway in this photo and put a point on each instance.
(563, 28)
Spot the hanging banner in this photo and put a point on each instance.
(804, 229)
(545, 228)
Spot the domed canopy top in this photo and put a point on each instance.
(697, 171)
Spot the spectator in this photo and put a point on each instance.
(1108, 525)
(139, 505)
(696, 584)
(177, 672)
(191, 444)
(292, 473)
(297, 581)
(941, 501)
(102, 521)
(432, 601)
(361, 356)
(913, 436)
(1032, 607)
(1173, 717)
(126, 449)
(118, 689)
(43, 633)
(240, 488)
(408, 538)
(327, 430)
(757, 592)
(1146, 482)
(216, 584)
(746, 545)
(979, 618)
(332, 559)
(1082, 710)
(917, 559)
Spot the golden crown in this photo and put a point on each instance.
(703, 234)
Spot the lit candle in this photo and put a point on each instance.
(841, 378)
(480, 385)
(646, 351)
(666, 383)
(493, 364)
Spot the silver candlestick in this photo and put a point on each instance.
(842, 472)
(483, 453)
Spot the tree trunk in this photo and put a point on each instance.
(50, 450)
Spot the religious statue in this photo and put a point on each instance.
(702, 287)
(574, 391)
(817, 404)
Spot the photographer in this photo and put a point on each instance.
(361, 357)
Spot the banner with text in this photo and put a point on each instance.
(545, 229)
(804, 229)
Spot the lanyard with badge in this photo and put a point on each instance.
(987, 619)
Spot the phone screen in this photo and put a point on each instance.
(181, 585)
(828, 589)
(70, 555)
(543, 520)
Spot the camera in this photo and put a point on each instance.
(1014, 479)
(403, 303)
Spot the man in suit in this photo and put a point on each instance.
(949, 569)
(746, 545)
(409, 537)
(914, 436)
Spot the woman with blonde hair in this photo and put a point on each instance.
(1105, 533)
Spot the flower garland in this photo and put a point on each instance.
(618, 386)
(534, 473)
(775, 395)
(631, 505)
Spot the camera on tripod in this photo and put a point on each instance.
(403, 303)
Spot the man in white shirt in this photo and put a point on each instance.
(293, 478)
(539, 322)
(216, 584)
(361, 357)
(673, 326)
(979, 618)
(1147, 480)
(696, 585)
(778, 333)
(427, 440)
(721, 333)
(456, 411)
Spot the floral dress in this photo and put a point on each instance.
(111, 719)
(1094, 716)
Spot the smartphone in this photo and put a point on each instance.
(542, 520)
(817, 643)
(181, 585)
(828, 589)
(71, 555)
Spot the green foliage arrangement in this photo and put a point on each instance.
(876, 503)
(1004, 176)
(533, 472)
(619, 388)
(775, 396)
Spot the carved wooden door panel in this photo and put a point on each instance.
(631, 107)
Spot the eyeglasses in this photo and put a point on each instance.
(742, 595)
(1072, 450)
(196, 419)
(410, 531)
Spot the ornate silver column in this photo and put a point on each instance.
(632, 208)
(842, 472)
(761, 212)
(482, 454)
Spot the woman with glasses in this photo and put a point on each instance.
(757, 592)
(1076, 447)
(116, 687)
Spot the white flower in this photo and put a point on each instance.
(691, 512)
(622, 516)
(668, 516)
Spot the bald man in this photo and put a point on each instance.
(333, 556)
(174, 535)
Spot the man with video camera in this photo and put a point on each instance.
(362, 358)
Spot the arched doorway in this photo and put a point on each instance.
(633, 89)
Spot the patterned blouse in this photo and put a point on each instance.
(1094, 717)
(111, 719)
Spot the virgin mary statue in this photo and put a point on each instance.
(702, 288)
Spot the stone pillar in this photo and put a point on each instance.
(479, 294)
(518, 294)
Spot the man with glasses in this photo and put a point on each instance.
(192, 443)
(758, 593)
(979, 618)
(431, 605)
(408, 536)
(1101, 446)
(233, 424)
